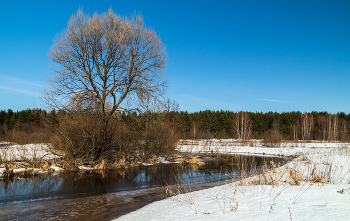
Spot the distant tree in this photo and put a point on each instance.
(2, 116)
(332, 127)
(194, 131)
(322, 125)
(295, 128)
(343, 129)
(170, 106)
(170, 109)
(307, 125)
(275, 126)
(242, 125)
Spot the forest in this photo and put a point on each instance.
(38, 126)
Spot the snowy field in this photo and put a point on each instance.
(314, 186)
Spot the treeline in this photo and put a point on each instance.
(198, 125)
(10, 119)
(256, 125)
(27, 126)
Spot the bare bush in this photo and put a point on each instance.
(161, 138)
(272, 138)
(80, 136)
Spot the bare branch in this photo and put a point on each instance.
(105, 59)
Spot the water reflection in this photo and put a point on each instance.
(74, 185)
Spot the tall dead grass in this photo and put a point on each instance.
(191, 160)
(313, 168)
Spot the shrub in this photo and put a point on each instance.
(81, 135)
(85, 136)
(272, 138)
(161, 139)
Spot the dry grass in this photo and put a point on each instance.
(10, 173)
(118, 164)
(182, 194)
(217, 143)
(7, 174)
(6, 213)
(296, 176)
(313, 168)
(27, 173)
(23, 161)
(314, 141)
(191, 160)
(13, 165)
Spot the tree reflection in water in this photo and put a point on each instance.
(78, 184)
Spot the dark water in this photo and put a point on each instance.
(105, 195)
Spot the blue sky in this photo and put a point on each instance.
(222, 55)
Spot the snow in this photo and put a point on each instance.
(313, 186)
(80, 168)
(295, 191)
(56, 168)
(14, 152)
(145, 164)
(10, 152)
(29, 151)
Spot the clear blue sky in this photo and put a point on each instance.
(222, 55)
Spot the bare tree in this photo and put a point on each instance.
(170, 105)
(105, 59)
(322, 124)
(332, 127)
(295, 128)
(242, 125)
(169, 109)
(102, 64)
(307, 125)
(194, 130)
(343, 129)
(335, 126)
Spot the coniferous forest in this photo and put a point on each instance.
(37, 125)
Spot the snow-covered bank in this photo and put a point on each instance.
(23, 153)
(314, 186)
(255, 147)
(18, 158)
(15, 152)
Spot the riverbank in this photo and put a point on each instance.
(32, 159)
(314, 186)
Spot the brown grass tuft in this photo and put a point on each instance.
(192, 159)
